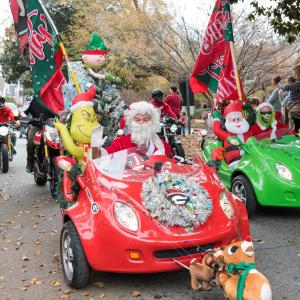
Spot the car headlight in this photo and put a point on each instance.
(4, 131)
(173, 128)
(226, 205)
(126, 216)
(283, 171)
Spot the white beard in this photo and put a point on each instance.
(142, 135)
(237, 127)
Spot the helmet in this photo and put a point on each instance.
(2, 102)
(157, 92)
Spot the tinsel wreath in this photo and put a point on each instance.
(176, 200)
(73, 174)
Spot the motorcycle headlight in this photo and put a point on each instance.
(4, 131)
(173, 128)
(283, 171)
(51, 133)
(226, 205)
(126, 216)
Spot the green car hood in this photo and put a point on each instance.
(285, 150)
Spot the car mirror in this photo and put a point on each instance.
(65, 163)
(234, 140)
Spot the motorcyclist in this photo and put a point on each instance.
(34, 109)
(158, 103)
(7, 116)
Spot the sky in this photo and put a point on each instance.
(195, 12)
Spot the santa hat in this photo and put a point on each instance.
(84, 99)
(233, 107)
(95, 46)
(262, 105)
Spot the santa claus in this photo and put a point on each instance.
(143, 124)
(235, 125)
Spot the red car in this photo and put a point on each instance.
(136, 214)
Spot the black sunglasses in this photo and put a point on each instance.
(265, 113)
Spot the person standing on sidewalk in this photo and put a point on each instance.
(174, 100)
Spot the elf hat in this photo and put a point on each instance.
(264, 104)
(84, 99)
(95, 46)
(233, 107)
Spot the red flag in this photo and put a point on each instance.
(18, 11)
(214, 69)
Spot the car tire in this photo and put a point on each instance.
(5, 158)
(75, 266)
(242, 188)
(178, 150)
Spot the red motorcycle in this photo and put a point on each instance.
(47, 148)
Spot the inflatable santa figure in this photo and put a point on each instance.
(235, 125)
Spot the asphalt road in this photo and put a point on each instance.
(29, 251)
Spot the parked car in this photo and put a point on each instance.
(136, 214)
(267, 174)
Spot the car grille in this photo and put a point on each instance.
(171, 253)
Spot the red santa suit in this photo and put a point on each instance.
(164, 109)
(258, 128)
(159, 146)
(232, 152)
(174, 101)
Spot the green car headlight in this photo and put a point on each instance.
(126, 216)
(226, 205)
(283, 171)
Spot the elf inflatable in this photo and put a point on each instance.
(235, 125)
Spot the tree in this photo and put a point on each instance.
(283, 15)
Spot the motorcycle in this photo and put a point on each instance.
(47, 148)
(169, 129)
(6, 146)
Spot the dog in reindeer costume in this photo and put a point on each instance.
(236, 125)
(241, 281)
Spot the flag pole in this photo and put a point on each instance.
(236, 73)
(61, 45)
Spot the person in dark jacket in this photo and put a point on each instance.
(35, 110)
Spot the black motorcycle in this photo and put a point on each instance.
(6, 146)
(169, 130)
(47, 148)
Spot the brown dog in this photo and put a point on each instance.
(202, 273)
(257, 286)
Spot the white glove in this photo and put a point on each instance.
(97, 139)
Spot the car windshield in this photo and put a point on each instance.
(130, 165)
(279, 134)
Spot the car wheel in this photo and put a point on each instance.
(242, 188)
(178, 150)
(75, 266)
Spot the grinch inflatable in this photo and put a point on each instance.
(83, 121)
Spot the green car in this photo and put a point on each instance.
(267, 174)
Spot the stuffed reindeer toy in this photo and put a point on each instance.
(241, 281)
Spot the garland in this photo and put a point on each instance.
(176, 200)
(72, 174)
